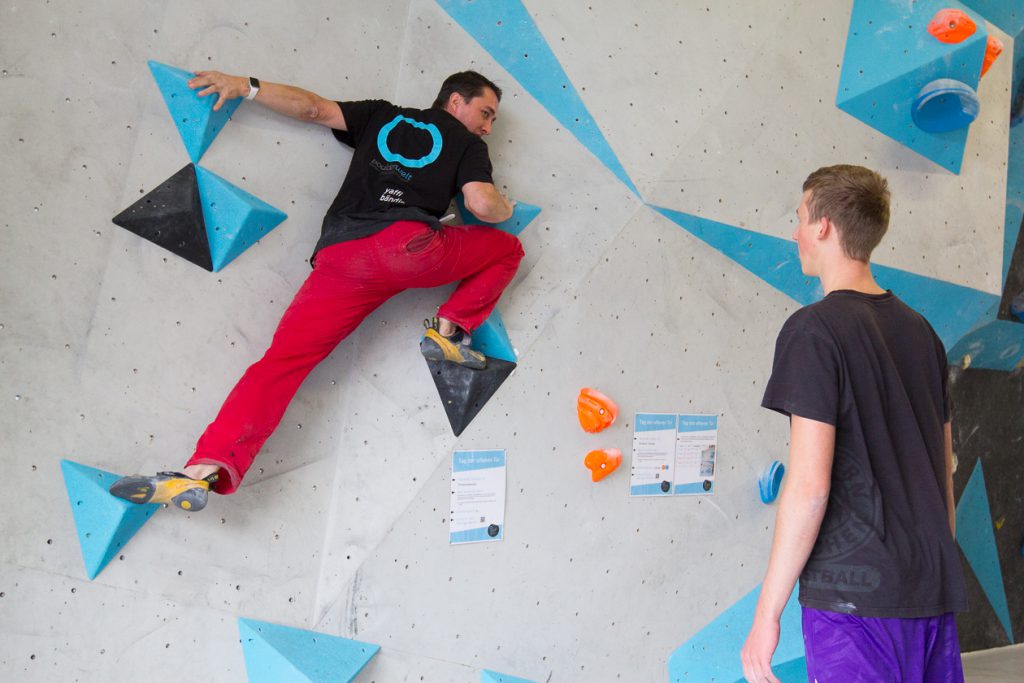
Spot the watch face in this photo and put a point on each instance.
(254, 82)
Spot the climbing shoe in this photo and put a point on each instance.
(165, 487)
(454, 349)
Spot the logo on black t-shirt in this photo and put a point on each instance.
(425, 160)
(854, 510)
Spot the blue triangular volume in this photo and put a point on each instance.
(197, 122)
(487, 676)
(522, 215)
(507, 31)
(977, 540)
(275, 653)
(992, 344)
(890, 57)
(951, 309)
(234, 219)
(491, 339)
(713, 654)
(104, 523)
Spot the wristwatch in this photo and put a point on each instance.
(254, 87)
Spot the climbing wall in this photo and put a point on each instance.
(657, 151)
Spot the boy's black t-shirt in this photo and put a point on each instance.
(407, 165)
(874, 368)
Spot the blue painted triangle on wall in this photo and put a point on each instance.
(235, 219)
(275, 653)
(104, 523)
(951, 309)
(1009, 16)
(198, 124)
(522, 215)
(977, 540)
(487, 676)
(507, 31)
(491, 339)
(992, 344)
(713, 654)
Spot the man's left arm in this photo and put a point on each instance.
(801, 510)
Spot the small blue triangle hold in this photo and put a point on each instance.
(487, 676)
(275, 654)
(522, 215)
(234, 219)
(491, 339)
(197, 122)
(104, 523)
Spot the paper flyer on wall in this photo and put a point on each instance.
(478, 497)
(654, 450)
(673, 454)
(696, 443)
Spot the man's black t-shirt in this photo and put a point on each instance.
(407, 165)
(874, 368)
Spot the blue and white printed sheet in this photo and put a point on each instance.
(673, 454)
(478, 496)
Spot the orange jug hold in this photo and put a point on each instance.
(603, 462)
(992, 51)
(952, 26)
(595, 410)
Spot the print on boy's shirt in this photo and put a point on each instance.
(394, 169)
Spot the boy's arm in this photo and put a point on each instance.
(801, 509)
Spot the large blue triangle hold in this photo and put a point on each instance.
(977, 540)
(491, 339)
(522, 215)
(953, 310)
(713, 654)
(279, 654)
(487, 676)
(507, 31)
(235, 219)
(197, 122)
(104, 523)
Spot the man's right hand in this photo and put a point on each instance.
(225, 86)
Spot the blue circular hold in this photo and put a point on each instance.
(771, 481)
(944, 105)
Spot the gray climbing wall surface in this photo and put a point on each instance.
(116, 353)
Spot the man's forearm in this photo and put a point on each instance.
(485, 202)
(283, 99)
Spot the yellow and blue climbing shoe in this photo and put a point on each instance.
(454, 349)
(165, 487)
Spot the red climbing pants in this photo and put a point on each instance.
(350, 280)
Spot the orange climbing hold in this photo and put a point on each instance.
(595, 410)
(603, 462)
(952, 26)
(992, 51)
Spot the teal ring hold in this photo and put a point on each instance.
(771, 481)
(429, 158)
(944, 105)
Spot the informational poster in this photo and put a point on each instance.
(673, 454)
(478, 496)
(654, 454)
(696, 443)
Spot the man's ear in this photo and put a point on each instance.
(825, 227)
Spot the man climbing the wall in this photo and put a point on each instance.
(866, 518)
(381, 235)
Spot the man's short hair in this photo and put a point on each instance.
(854, 198)
(468, 84)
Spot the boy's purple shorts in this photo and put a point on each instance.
(846, 648)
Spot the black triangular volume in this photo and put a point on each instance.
(171, 215)
(463, 391)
